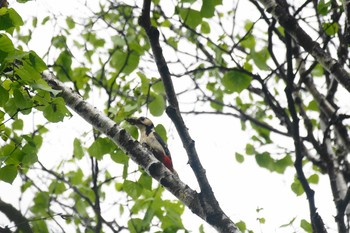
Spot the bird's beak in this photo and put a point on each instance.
(132, 121)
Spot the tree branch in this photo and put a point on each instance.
(97, 206)
(316, 220)
(140, 155)
(215, 215)
(16, 216)
(290, 24)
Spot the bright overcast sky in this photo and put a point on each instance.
(239, 188)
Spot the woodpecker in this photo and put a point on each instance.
(155, 143)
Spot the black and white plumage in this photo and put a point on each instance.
(152, 139)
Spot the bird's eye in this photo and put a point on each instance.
(142, 118)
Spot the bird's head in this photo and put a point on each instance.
(141, 122)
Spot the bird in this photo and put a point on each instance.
(4, 3)
(153, 141)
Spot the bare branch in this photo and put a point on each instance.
(14, 215)
(316, 220)
(215, 215)
(291, 25)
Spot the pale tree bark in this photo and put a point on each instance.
(198, 203)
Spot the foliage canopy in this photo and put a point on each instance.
(281, 70)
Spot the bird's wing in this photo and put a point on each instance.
(161, 141)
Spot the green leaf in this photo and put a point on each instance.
(241, 226)
(260, 58)
(119, 156)
(208, 7)
(248, 42)
(26, 185)
(235, 81)
(9, 19)
(118, 186)
(239, 157)
(81, 77)
(172, 41)
(330, 28)
(8, 173)
(248, 25)
(313, 179)
(133, 189)
(313, 106)
(70, 22)
(205, 28)
(160, 129)
(17, 124)
(41, 99)
(158, 88)
(6, 48)
(37, 140)
(56, 110)
(75, 177)
(78, 151)
(93, 39)
(63, 65)
(323, 7)
(190, 17)
(248, 67)
(317, 71)
(290, 223)
(146, 181)
(10, 107)
(37, 62)
(147, 219)
(306, 225)
(118, 40)
(145, 82)
(125, 62)
(57, 187)
(40, 225)
(28, 73)
(216, 104)
(100, 147)
(4, 96)
(262, 220)
(41, 203)
(2, 126)
(46, 87)
(135, 225)
(30, 153)
(249, 149)
(35, 22)
(21, 102)
(59, 42)
(23, 1)
(15, 157)
(264, 160)
(157, 106)
(262, 131)
(172, 220)
(6, 44)
(297, 188)
(45, 20)
(281, 164)
(188, 1)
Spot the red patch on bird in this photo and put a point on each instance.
(168, 163)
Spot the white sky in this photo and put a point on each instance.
(239, 188)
